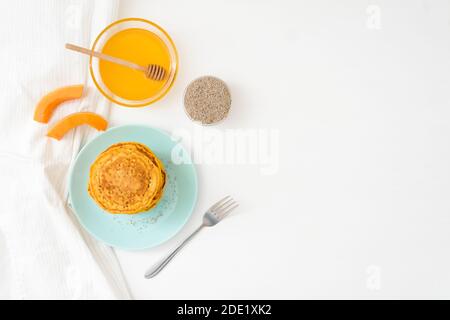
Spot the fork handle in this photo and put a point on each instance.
(153, 271)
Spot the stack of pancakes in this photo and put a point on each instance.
(127, 178)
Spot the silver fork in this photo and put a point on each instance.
(212, 216)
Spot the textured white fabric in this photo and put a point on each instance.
(44, 254)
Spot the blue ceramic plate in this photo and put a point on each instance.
(142, 230)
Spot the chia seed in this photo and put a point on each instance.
(207, 100)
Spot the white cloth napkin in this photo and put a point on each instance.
(44, 254)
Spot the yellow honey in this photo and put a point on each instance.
(139, 46)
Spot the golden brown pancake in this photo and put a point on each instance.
(127, 178)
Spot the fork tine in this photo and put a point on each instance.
(227, 212)
(218, 203)
(223, 205)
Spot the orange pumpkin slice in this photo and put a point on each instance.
(51, 101)
(74, 120)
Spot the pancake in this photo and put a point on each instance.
(127, 178)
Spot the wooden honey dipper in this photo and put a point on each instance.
(151, 71)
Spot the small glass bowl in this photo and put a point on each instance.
(197, 121)
(128, 23)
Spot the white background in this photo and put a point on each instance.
(359, 207)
